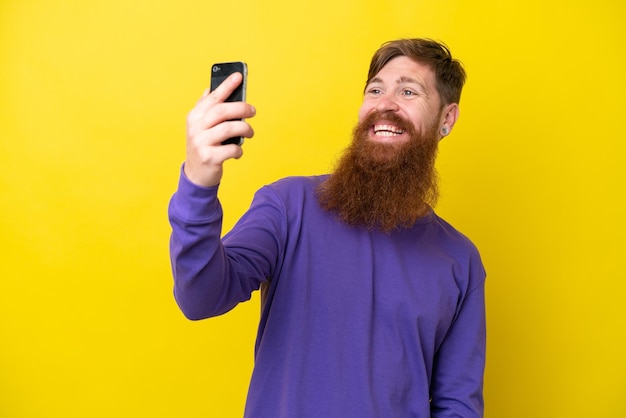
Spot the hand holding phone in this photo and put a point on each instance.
(219, 73)
(209, 123)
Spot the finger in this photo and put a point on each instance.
(219, 154)
(221, 132)
(226, 87)
(222, 91)
(221, 112)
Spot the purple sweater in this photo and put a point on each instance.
(355, 323)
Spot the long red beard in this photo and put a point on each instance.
(383, 186)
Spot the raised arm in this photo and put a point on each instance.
(202, 276)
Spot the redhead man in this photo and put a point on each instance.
(373, 306)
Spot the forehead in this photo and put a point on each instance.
(402, 69)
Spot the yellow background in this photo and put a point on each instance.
(93, 99)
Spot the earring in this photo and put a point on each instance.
(444, 130)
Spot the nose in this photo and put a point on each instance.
(386, 103)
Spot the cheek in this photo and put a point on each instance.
(364, 110)
(422, 119)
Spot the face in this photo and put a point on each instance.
(405, 88)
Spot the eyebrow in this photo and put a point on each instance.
(403, 79)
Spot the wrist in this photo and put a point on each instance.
(204, 177)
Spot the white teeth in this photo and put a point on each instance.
(386, 133)
(387, 130)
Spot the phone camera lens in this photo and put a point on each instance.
(216, 68)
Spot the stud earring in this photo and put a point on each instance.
(444, 130)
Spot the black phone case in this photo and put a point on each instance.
(219, 73)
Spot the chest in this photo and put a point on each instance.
(362, 279)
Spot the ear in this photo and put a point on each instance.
(449, 116)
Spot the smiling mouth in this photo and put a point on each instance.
(387, 130)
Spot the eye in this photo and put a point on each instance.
(408, 93)
(374, 91)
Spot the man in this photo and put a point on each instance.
(373, 306)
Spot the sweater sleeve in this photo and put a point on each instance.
(457, 384)
(211, 277)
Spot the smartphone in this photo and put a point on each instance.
(219, 73)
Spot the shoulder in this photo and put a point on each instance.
(453, 235)
(456, 244)
(289, 192)
(297, 183)
(294, 187)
